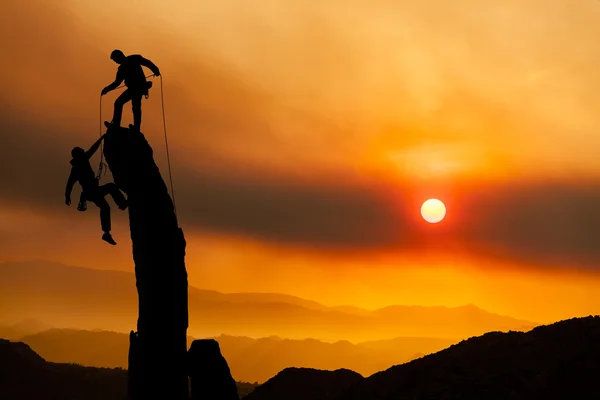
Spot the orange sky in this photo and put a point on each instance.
(305, 135)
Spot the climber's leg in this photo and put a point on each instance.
(113, 190)
(136, 108)
(105, 222)
(119, 103)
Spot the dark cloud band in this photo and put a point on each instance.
(541, 223)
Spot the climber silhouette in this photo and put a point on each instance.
(130, 70)
(83, 173)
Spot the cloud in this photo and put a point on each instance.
(536, 222)
(268, 142)
(533, 222)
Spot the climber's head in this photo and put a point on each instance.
(77, 152)
(117, 56)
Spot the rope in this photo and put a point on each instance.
(102, 165)
(162, 102)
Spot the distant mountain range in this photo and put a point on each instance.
(22, 328)
(88, 299)
(554, 362)
(250, 360)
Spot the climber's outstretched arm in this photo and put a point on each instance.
(70, 182)
(94, 147)
(118, 79)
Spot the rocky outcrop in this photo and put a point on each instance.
(209, 373)
(159, 354)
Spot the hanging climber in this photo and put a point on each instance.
(83, 173)
(130, 70)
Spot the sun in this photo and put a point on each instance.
(433, 211)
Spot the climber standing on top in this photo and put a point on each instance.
(130, 70)
(83, 173)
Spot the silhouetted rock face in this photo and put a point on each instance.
(25, 375)
(131, 162)
(159, 256)
(158, 242)
(133, 370)
(558, 361)
(304, 384)
(209, 373)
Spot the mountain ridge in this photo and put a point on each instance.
(554, 362)
(236, 297)
(250, 360)
(88, 298)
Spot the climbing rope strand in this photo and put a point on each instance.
(101, 166)
(162, 102)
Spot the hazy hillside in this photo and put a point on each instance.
(22, 328)
(25, 375)
(263, 358)
(250, 360)
(88, 299)
(88, 348)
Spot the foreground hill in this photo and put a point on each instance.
(88, 299)
(558, 361)
(250, 360)
(25, 375)
(305, 384)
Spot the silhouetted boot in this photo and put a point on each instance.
(82, 206)
(107, 237)
(134, 128)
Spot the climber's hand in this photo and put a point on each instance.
(104, 91)
(68, 201)
(157, 73)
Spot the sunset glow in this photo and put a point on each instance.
(306, 137)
